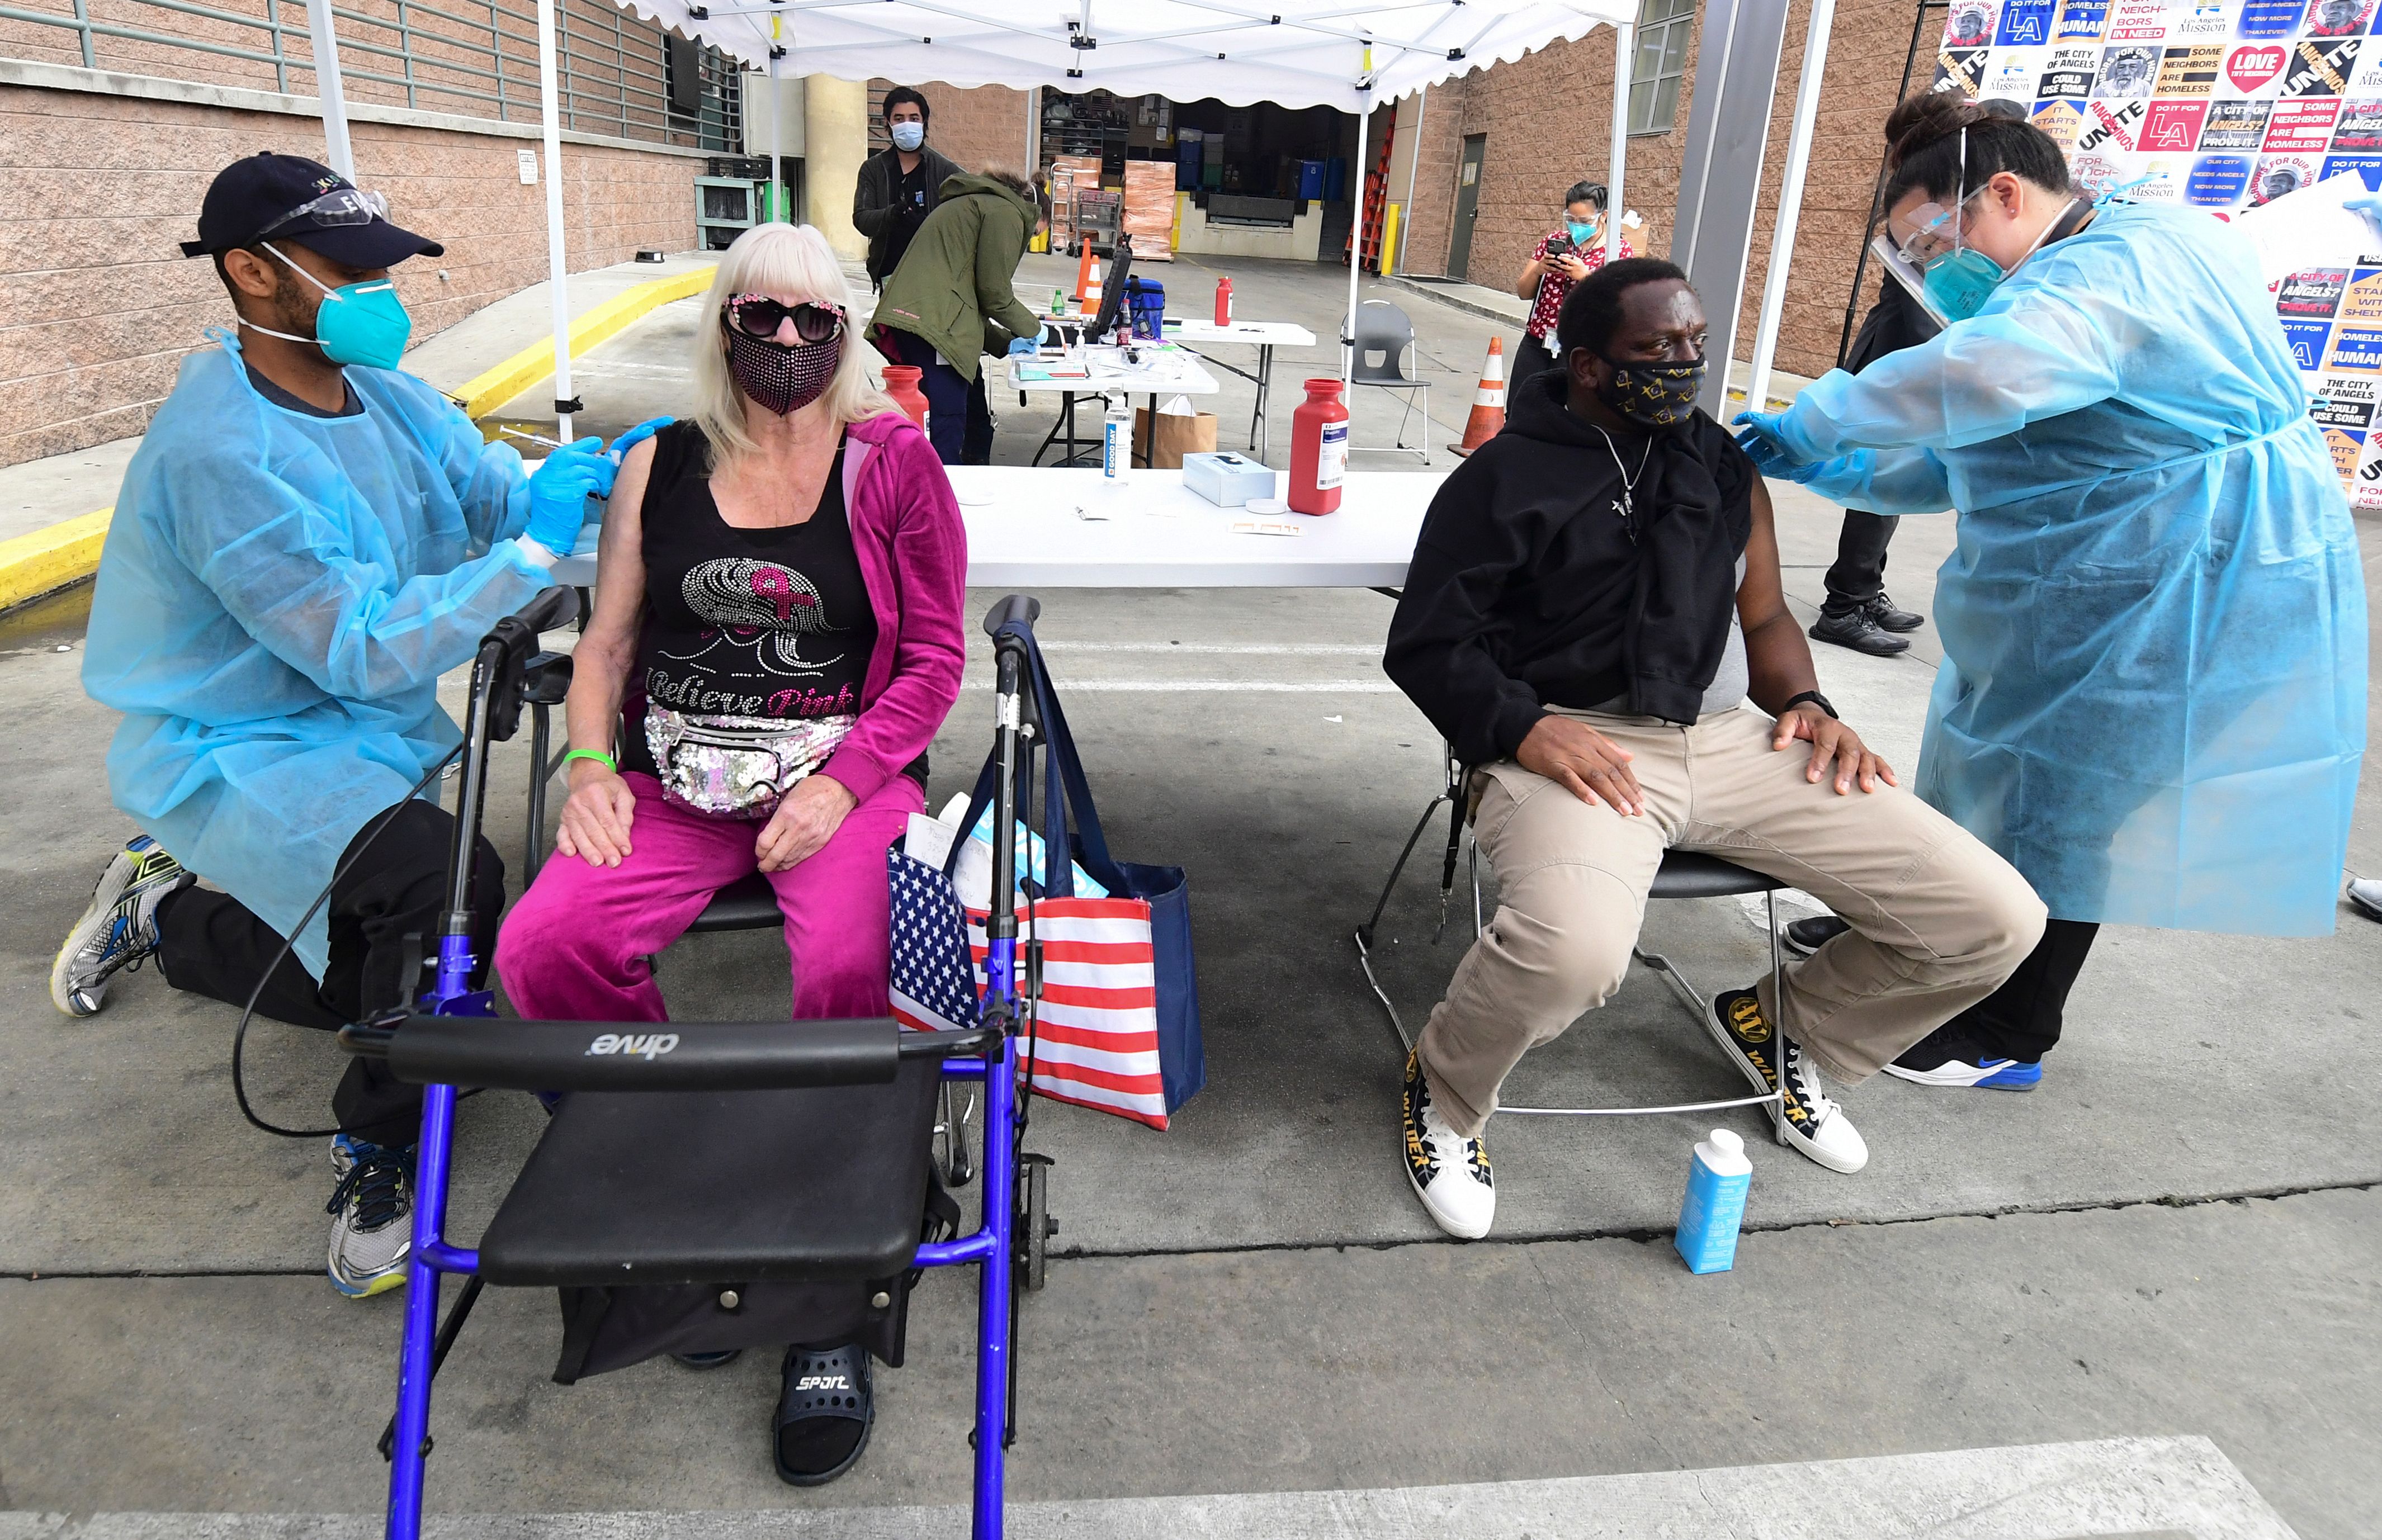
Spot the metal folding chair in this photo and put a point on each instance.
(1683, 874)
(1384, 334)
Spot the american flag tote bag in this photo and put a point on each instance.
(1117, 1014)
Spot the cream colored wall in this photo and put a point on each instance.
(835, 140)
(1195, 236)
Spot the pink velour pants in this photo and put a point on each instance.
(575, 949)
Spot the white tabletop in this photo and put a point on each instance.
(1256, 334)
(1166, 372)
(1024, 532)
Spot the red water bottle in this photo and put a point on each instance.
(1224, 301)
(902, 384)
(1318, 448)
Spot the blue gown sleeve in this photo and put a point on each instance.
(2027, 356)
(488, 479)
(1882, 480)
(285, 566)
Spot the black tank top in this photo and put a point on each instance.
(746, 624)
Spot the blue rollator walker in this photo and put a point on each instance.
(655, 1167)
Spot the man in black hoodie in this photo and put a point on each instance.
(1593, 598)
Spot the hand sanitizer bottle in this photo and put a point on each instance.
(1116, 441)
(1717, 1177)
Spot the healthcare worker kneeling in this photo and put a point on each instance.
(305, 542)
(2153, 698)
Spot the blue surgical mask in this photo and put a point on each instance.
(361, 323)
(1958, 283)
(1581, 234)
(909, 136)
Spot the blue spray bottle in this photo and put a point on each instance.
(1717, 1177)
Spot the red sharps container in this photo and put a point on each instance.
(1224, 301)
(902, 384)
(1318, 448)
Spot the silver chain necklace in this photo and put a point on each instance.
(1625, 505)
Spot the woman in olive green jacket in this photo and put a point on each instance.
(951, 300)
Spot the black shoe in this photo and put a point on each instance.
(1880, 609)
(825, 1414)
(1805, 1117)
(720, 1360)
(1803, 937)
(1955, 1057)
(1855, 630)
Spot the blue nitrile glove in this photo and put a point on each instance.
(636, 435)
(1023, 345)
(559, 489)
(1763, 444)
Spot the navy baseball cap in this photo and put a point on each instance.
(291, 198)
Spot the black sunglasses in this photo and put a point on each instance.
(757, 315)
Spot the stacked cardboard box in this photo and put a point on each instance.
(1149, 209)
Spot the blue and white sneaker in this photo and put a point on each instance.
(1951, 1056)
(119, 932)
(372, 1216)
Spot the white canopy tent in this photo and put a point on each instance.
(1293, 53)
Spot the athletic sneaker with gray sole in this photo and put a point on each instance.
(372, 1216)
(118, 931)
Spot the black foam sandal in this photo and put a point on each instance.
(825, 1395)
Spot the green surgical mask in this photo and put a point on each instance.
(361, 323)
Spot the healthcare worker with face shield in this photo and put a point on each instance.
(306, 540)
(2153, 698)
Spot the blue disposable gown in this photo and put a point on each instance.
(2153, 702)
(276, 602)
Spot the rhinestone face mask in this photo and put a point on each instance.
(783, 380)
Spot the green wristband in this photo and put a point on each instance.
(598, 755)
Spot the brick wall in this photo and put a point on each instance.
(97, 304)
(976, 126)
(1566, 89)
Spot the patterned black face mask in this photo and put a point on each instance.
(1654, 395)
(782, 379)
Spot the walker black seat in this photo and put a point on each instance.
(804, 1186)
(1695, 874)
(747, 904)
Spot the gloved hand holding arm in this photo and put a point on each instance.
(558, 494)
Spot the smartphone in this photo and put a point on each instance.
(1561, 246)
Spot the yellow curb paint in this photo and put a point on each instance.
(52, 558)
(486, 392)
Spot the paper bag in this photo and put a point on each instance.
(1172, 436)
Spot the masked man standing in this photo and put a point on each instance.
(305, 542)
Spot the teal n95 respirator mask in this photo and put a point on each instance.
(361, 323)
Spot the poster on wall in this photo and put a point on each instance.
(2222, 105)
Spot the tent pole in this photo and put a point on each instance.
(1791, 203)
(325, 39)
(1356, 233)
(777, 135)
(556, 264)
(1625, 50)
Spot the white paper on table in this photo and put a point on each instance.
(1264, 526)
(2310, 229)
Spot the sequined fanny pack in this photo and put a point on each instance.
(736, 766)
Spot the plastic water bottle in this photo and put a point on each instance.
(1116, 441)
(1718, 1175)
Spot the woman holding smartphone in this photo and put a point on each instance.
(1561, 259)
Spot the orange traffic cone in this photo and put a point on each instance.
(1488, 402)
(1087, 279)
(1092, 287)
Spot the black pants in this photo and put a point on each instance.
(1530, 356)
(958, 413)
(211, 943)
(2021, 1019)
(1858, 575)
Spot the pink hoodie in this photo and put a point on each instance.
(913, 550)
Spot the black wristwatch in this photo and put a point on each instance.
(1814, 697)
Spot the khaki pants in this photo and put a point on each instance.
(1938, 920)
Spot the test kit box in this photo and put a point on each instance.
(1227, 480)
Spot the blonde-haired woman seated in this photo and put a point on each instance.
(778, 609)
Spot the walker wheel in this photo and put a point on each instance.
(1036, 1221)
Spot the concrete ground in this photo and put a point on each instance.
(2176, 1239)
